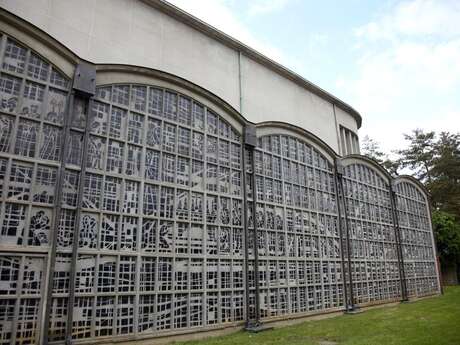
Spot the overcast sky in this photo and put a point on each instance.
(396, 62)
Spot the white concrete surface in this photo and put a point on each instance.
(135, 33)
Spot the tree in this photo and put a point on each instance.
(419, 156)
(371, 148)
(445, 184)
(447, 232)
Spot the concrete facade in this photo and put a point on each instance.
(140, 33)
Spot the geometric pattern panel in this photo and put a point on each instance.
(298, 240)
(33, 97)
(160, 234)
(416, 240)
(373, 252)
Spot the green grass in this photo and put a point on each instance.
(433, 321)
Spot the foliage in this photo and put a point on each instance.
(419, 155)
(432, 321)
(447, 231)
(435, 161)
(445, 171)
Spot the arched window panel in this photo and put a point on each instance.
(33, 99)
(161, 232)
(298, 237)
(416, 239)
(374, 259)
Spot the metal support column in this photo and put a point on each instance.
(250, 142)
(57, 216)
(394, 214)
(84, 87)
(338, 169)
(352, 307)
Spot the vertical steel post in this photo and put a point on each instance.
(250, 142)
(397, 229)
(57, 215)
(256, 237)
(246, 239)
(338, 169)
(84, 86)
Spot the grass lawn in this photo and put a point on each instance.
(434, 321)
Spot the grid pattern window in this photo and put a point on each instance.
(374, 260)
(298, 237)
(161, 226)
(349, 141)
(416, 240)
(33, 97)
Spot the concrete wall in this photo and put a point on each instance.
(134, 33)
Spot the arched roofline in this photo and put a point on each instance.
(39, 41)
(354, 158)
(308, 136)
(231, 42)
(415, 182)
(64, 59)
(120, 73)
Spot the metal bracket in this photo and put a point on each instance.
(393, 186)
(250, 136)
(339, 168)
(84, 82)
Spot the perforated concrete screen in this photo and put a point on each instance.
(417, 240)
(151, 216)
(297, 224)
(33, 97)
(374, 257)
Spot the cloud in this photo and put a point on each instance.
(219, 14)
(258, 7)
(416, 18)
(408, 71)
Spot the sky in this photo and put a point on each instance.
(396, 62)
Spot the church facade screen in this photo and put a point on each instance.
(297, 228)
(144, 208)
(417, 241)
(373, 248)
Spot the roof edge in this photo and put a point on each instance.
(233, 43)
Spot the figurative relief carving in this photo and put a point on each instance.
(88, 231)
(39, 229)
(6, 127)
(56, 107)
(9, 104)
